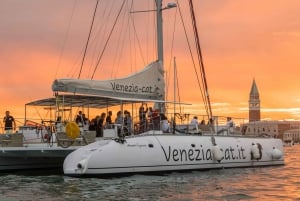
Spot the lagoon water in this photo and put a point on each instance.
(266, 183)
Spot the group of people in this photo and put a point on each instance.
(100, 122)
(229, 124)
(195, 121)
(124, 122)
(150, 119)
(95, 124)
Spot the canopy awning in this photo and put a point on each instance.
(68, 100)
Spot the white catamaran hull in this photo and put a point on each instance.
(160, 153)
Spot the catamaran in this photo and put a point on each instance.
(170, 146)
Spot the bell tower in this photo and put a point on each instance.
(254, 103)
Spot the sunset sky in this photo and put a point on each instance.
(240, 41)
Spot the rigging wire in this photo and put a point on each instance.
(171, 55)
(137, 38)
(118, 50)
(65, 39)
(87, 42)
(190, 49)
(121, 42)
(200, 60)
(206, 103)
(103, 17)
(110, 34)
(129, 34)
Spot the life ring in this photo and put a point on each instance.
(72, 130)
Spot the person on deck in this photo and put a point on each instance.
(108, 120)
(149, 116)
(156, 118)
(9, 123)
(119, 122)
(194, 120)
(127, 123)
(142, 116)
(194, 123)
(86, 122)
(99, 125)
(230, 125)
(165, 127)
(93, 123)
(79, 119)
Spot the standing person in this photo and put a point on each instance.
(195, 123)
(93, 123)
(150, 114)
(79, 119)
(127, 123)
(195, 120)
(155, 119)
(230, 125)
(119, 123)
(142, 115)
(165, 127)
(99, 125)
(9, 123)
(86, 122)
(108, 120)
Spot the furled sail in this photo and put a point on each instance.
(146, 84)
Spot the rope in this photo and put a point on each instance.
(200, 60)
(87, 42)
(110, 34)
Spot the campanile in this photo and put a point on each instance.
(254, 103)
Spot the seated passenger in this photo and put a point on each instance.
(164, 123)
(195, 120)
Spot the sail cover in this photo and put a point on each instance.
(146, 84)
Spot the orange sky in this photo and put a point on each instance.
(240, 40)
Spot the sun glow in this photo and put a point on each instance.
(237, 45)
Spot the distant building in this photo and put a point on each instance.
(292, 136)
(288, 131)
(254, 103)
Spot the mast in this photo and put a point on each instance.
(159, 29)
(160, 44)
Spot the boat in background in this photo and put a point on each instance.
(154, 149)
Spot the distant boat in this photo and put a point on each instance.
(168, 147)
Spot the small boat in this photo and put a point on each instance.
(168, 147)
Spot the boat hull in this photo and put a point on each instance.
(30, 158)
(161, 153)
